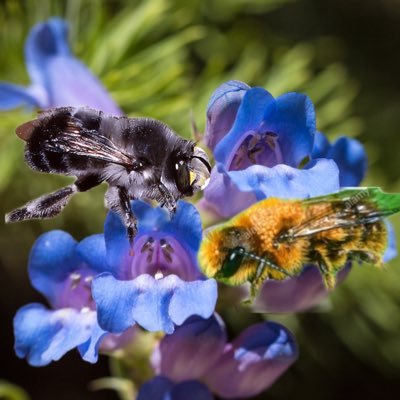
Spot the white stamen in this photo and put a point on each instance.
(158, 275)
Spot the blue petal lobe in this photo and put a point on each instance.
(92, 250)
(52, 258)
(151, 303)
(45, 40)
(294, 123)
(253, 362)
(13, 96)
(222, 109)
(321, 146)
(43, 336)
(195, 390)
(192, 350)
(202, 297)
(351, 158)
(156, 389)
(117, 243)
(221, 188)
(249, 118)
(320, 177)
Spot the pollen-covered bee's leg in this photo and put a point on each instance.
(46, 206)
(262, 274)
(117, 200)
(328, 276)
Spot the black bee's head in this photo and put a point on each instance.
(190, 169)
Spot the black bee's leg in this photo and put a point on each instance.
(167, 200)
(46, 206)
(51, 204)
(117, 200)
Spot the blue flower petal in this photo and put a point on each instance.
(296, 294)
(319, 178)
(221, 188)
(89, 350)
(294, 123)
(350, 157)
(161, 388)
(156, 389)
(253, 108)
(253, 361)
(156, 305)
(185, 226)
(243, 188)
(321, 146)
(45, 40)
(52, 258)
(391, 249)
(92, 250)
(197, 343)
(195, 390)
(13, 96)
(222, 109)
(43, 336)
(65, 79)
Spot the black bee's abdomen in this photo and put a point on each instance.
(56, 140)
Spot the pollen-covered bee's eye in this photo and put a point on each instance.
(232, 262)
(182, 177)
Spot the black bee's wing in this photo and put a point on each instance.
(349, 208)
(69, 138)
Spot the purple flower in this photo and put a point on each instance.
(262, 147)
(57, 77)
(60, 269)
(157, 283)
(197, 356)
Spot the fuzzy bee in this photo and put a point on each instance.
(274, 238)
(139, 158)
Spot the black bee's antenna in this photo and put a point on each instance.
(196, 134)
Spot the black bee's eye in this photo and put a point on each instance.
(182, 178)
(232, 262)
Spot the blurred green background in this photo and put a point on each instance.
(162, 59)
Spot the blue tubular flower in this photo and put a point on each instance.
(197, 352)
(161, 388)
(348, 154)
(253, 361)
(295, 294)
(260, 146)
(157, 284)
(58, 78)
(58, 270)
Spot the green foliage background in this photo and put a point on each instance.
(163, 59)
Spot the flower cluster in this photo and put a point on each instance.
(102, 289)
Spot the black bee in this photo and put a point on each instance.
(140, 158)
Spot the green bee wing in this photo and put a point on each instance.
(384, 203)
